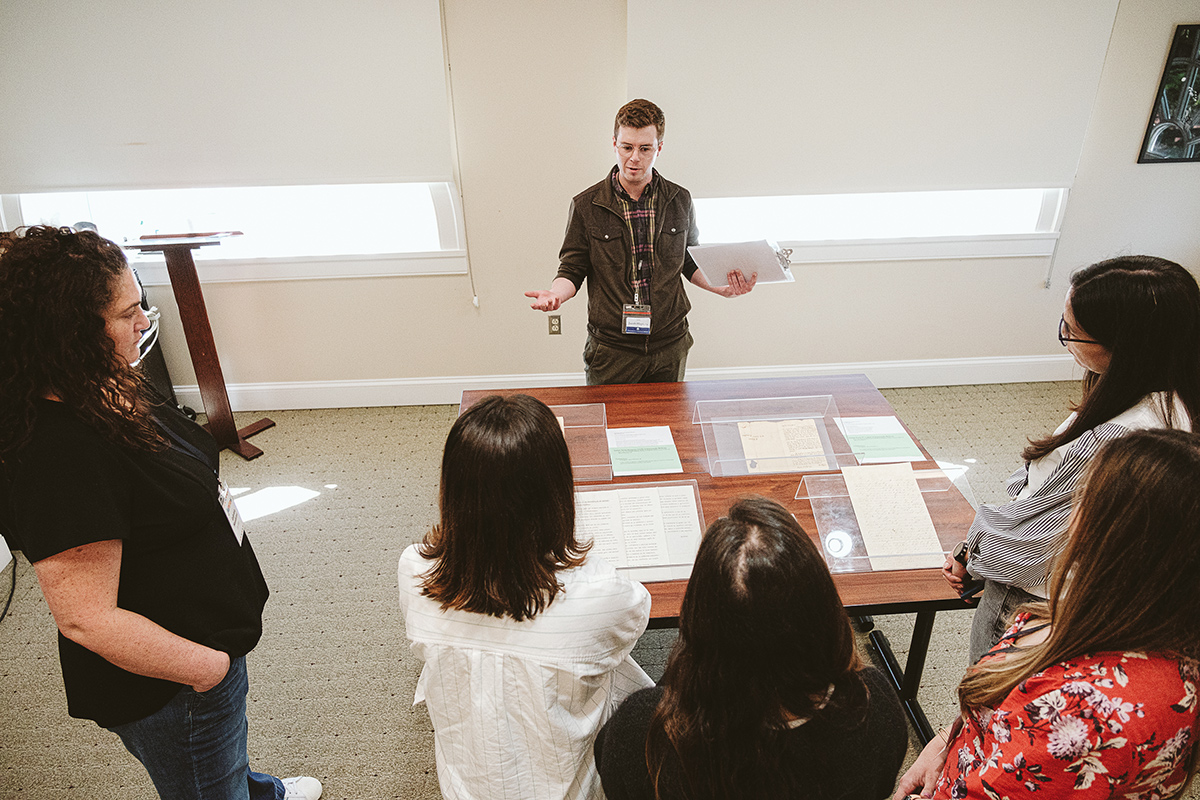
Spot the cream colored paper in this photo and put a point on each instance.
(892, 517)
(791, 445)
(638, 527)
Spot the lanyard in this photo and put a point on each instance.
(224, 497)
(187, 447)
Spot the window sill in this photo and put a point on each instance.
(932, 248)
(153, 270)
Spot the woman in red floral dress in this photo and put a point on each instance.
(1093, 695)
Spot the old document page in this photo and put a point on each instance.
(892, 517)
(791, 445)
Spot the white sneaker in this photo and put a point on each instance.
(302, 788)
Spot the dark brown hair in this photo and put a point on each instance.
(55, 285)
(1126, 581)
(1146, 311)
(507, 505)
(640, 114)
(762, 635)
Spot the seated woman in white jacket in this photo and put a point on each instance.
(1133, 324)
(525, 637)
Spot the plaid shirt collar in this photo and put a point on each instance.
(639, 221)
(647, 193)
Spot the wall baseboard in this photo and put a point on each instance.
(441, 390)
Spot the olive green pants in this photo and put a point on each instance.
(604, 364)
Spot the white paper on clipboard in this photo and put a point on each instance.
(716, 261)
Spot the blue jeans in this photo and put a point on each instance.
(994, 614)
(195, 746)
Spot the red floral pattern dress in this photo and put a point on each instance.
(1099, 726)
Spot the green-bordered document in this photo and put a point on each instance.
(643, 451)
(877, 440)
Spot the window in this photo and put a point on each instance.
(289, 231)
(893, 225)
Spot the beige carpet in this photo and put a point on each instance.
(332, 680)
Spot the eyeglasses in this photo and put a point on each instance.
(1063, 338)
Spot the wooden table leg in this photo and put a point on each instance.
(194, 315)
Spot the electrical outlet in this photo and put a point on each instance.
(555, 324)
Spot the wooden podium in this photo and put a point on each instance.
(177, 250)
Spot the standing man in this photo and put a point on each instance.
(628, 236)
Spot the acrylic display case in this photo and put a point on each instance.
(772, 435)
(841, 540)
(585, 428)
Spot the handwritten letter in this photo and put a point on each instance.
(791, 445)
(892, 517)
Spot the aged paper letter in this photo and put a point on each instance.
(892, 517)
(791, 445)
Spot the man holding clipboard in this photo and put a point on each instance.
(628, 236)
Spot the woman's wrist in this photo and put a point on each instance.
(216, 667)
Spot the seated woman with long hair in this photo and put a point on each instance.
(1133, 324)
(764, 695)
(525, 637)
(1094, 694)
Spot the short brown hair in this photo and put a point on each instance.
(507, 508)
(640, 114)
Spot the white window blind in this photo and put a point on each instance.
(786, 97)
(131, 94)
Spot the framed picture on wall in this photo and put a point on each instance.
(1173, 133)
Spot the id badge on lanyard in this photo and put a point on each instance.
(635, 316)
(231, 511)
(636, 319)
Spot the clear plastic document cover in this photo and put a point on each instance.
(874, 518)
(648, 531)
(771, 435)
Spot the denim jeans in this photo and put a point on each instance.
(195, 747)
(994, 614)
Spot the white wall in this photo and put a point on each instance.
(535, 88)
(1117, 205)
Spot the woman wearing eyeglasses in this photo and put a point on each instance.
(1133, 324)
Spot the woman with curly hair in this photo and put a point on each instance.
(764, 695)
(1093, 694)
(115, 499)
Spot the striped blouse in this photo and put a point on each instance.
(515, 706)
(1016, 543)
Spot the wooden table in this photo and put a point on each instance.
(194, 315)
(920, 591)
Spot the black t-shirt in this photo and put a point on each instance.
(181, 565)
(836, 757)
